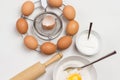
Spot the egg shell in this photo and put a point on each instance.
(27, 8)
(64, 42)
(48, 48)
(48, 22)
(30, 42)
(55, 3)
(22, 26)
(69, 12)
(72, 27)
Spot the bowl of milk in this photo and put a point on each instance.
(89, 46)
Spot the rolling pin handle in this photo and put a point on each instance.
(53, 59)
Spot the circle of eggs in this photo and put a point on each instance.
(48, 48)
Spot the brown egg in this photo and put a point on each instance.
(27, 8)
(64, 42)
(72, 27)
(22, 26)
(48, 48)
(30, 42)
(69, 12)
(55, 3)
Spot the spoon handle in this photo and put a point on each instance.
(90, 30)
(114, 52)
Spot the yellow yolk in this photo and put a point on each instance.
(74, 77)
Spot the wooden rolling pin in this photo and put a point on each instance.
(36, 70)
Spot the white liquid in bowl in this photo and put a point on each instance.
(89, 46)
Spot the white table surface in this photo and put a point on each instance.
(105, 14)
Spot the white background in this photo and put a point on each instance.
(105, 14)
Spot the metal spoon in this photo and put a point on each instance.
(79, 68)
(90, 28)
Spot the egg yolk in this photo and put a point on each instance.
(74, 77)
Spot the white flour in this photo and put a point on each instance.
(88, 46)
(62, 75)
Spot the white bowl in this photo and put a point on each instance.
(88, 47)
(66, 63)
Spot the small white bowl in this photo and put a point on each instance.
(89, 46)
